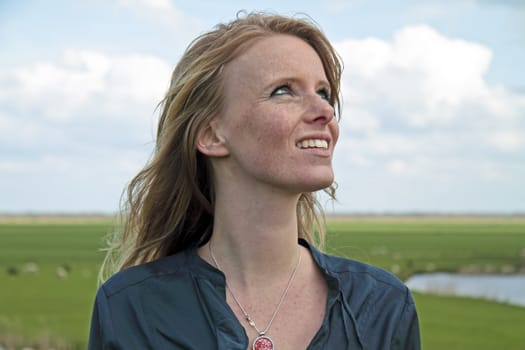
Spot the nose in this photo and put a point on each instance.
(319, 110)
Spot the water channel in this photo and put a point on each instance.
(502, 288)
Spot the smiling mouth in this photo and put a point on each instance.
(313, 143)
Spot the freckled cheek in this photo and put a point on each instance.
(276, 134)
(271, 131)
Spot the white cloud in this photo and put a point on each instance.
(507, 141)
(422, 79)
(397, 167)
(358, 119)
(421, 76)
(85, 116)
(40, 165)
(59, 89)
(451, 70)
(21, 133)
(83, 82)
(421, 124)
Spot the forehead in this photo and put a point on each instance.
(274, 57)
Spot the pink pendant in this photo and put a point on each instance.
(262, 343)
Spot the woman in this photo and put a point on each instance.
(218, 247)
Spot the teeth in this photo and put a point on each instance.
(313, 143)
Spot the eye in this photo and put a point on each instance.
(282, 90)
(324, 93)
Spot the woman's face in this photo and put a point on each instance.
(277, 123)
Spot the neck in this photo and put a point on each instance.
(254, 238)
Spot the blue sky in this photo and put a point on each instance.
(433, 116)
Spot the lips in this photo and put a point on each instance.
(312, 143)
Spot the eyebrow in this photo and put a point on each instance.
(324, 83)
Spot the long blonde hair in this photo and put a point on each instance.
(169, 204)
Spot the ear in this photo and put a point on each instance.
(210, 142)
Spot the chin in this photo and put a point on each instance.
(318, 184)
(324, 185)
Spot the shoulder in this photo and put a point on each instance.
(142, 274)
(364, 288)
(348, 270)
(138, 304)
(351, 273)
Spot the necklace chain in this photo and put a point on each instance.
(247, 316)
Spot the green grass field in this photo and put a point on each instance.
(41, 305)
(53, 304)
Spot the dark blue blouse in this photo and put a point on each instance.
(179, 302)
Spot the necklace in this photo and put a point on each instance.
(262, 342)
